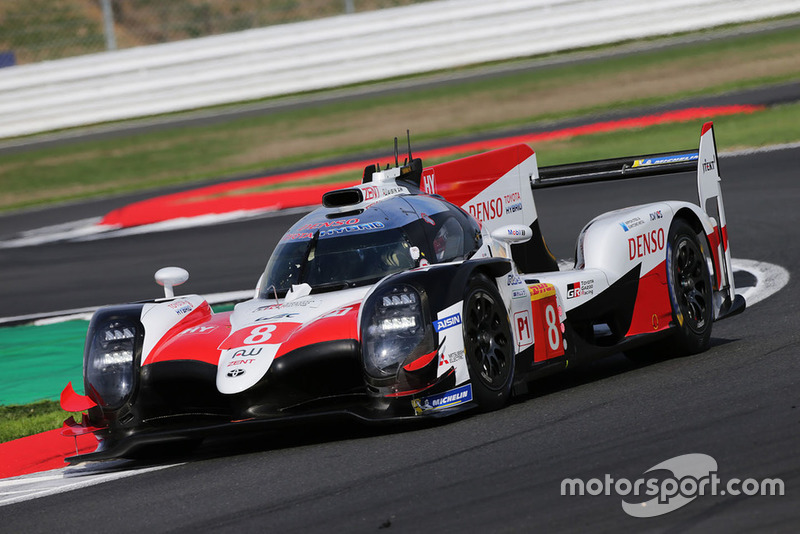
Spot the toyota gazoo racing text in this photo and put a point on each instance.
(420, 292)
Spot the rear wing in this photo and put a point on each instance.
(616, 168)
(704, 161)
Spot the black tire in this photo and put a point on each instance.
(690, 291)
(488, 344)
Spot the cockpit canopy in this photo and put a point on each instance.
(331, 249)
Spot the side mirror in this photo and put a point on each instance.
(513, 234)
(170, 277)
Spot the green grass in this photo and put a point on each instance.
(260, 143)
(23, 420)
(772, 126)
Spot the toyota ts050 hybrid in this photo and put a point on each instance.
(420, 292)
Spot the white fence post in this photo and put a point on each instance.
(108, 25)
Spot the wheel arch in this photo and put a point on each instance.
(699, 222)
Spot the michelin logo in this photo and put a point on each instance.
(447, 322)
(448, 399)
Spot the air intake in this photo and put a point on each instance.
(342, 197)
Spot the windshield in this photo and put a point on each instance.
(333, 262)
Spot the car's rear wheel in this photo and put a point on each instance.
(690, 290)
(488, 343)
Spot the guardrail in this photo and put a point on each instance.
(336, 51)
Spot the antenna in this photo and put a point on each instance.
(395, 153)
(408, 135)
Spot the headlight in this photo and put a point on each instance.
(110, 362)
(394, 328)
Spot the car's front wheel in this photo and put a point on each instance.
(488, 343)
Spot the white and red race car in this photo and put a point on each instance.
(419, 293)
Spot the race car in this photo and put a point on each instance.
(419, 293)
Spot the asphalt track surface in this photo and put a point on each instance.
(230, 257)
(495, 472)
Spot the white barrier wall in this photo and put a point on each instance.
(335, 51)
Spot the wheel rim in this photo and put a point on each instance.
(487, 339)
(691, 284)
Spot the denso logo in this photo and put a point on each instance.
(447, 322)
(488, 210)
(642, 245)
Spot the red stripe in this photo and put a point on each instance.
(41, 452)
(713, 242)
(236, 196)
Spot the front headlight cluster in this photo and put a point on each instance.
(110, 362)
(394, 329)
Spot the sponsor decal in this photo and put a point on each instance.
(708, 166)
(580, 289)
(339, 312)
(656, 215)
(540, 291)
(513, 208)
(297, 236)
(631, 223)
(663, 160)
(428, 181)
(329, 224)
(199, 330)
(247, 352)
(181, 307)
(377, 225)
(514, 280)
(313, 303)
(517, 232)
(488, 210)
(276, 317)
(233, 373)
(447, 322)
(522, 321)
(450, 358)
(240, 362)
(448, 399)
(371, 192)
(645, 244)
(456, 356)
(520, 294)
